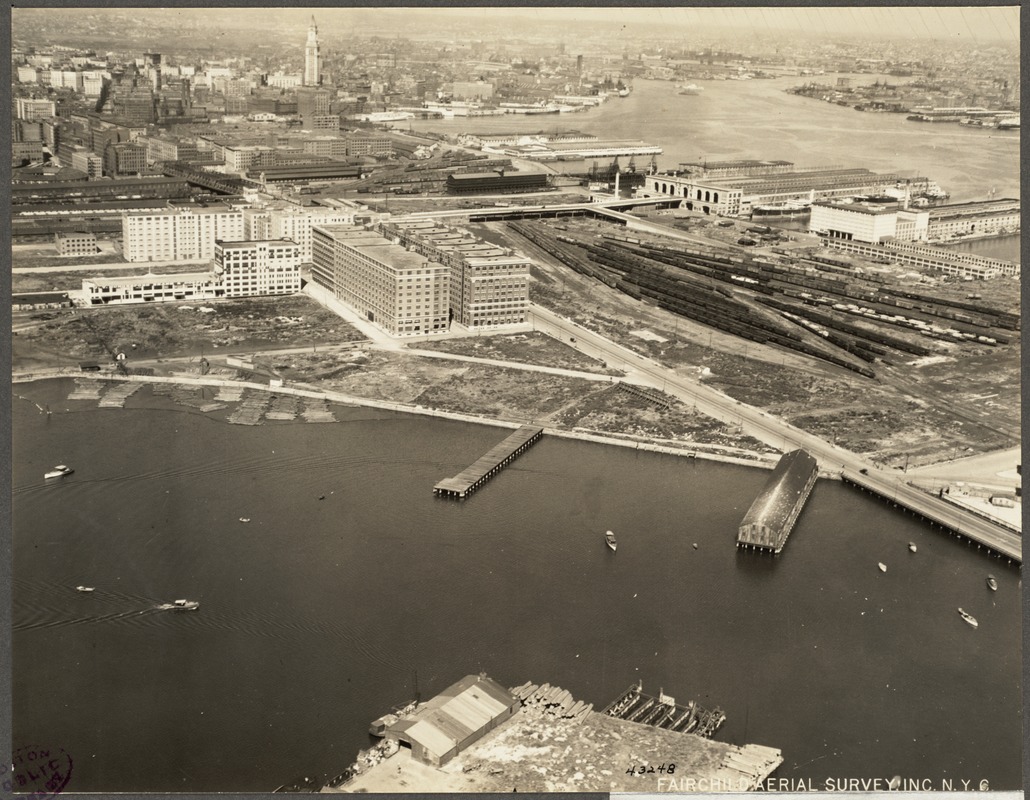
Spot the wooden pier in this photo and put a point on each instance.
(466, 482)
(958, 521)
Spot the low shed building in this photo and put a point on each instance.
(449, 723)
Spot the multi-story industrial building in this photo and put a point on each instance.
(167, 148)
(123, 289)
(500, 181)
(179, 234)
(87, 161)
(369, 144)
(394, 287)
(867, 221)
(246, 269)
(28, 108)
(294, 223)
(125, 158)
(959, 219)
(76, 244)
(936, 259)
(489, 284)
(22, 152)
(313, 106)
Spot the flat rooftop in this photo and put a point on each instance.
(872, 209)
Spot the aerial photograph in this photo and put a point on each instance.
(515, 399)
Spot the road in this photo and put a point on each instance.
(776, 433)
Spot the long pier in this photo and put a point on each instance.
(467, 481)
(953, 519)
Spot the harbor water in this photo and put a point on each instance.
(351, 582)
(758, 119)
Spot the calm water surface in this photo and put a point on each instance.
(757, 119)
(316, 614)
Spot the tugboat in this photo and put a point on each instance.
(58, 472)
(992, 584)
(609, 539)
(968, 618)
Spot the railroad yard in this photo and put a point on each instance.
(894, 369)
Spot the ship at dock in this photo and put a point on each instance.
(772, 515)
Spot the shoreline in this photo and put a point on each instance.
(693, 451)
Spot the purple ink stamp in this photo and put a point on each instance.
(36, 773)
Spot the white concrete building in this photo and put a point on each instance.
(292, 222)
(179, 234)
(30, 109)
(868, 222)
(246, 269)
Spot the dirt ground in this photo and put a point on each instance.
(168, 330)
(536, 752)
(525, 348)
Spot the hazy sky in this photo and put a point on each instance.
(978, 23)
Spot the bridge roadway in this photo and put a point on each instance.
(606, 208)
(781, 435)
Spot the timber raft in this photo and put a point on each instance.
(633, 705)
(772, 515)
(466, 482)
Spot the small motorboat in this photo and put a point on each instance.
(968, 618)
(992, 584)
(912, 546)
(244, 519)
(58, 472)
(180, 605)
(882, 566)
(609, 539)
(84, 588)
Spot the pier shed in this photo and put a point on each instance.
(461, 714)
(772, 515)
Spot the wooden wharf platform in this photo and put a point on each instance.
(980, 531)
(467, 481)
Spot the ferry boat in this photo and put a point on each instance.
(84, 588)
(609, 539)
(968, 618)
(992, 584)
(59, 472)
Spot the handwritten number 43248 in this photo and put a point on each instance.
(651, 769)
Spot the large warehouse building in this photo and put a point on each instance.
(737, 195)
(456, 718)
(397, 289)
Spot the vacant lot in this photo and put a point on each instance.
(175, 329)
(525, 348)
